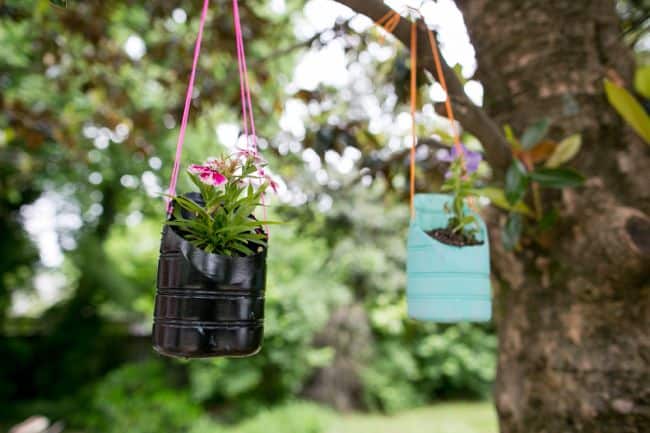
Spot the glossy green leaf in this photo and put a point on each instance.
(511, 233)
(535, 133)
(642, 81)
(516, 182)
(498, 198)
(567, 149)
(629, 108)
(557, 177)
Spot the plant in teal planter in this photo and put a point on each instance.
(448, 260)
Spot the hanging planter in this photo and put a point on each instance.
(212, 266)
(213, 309)
(448, 257)
(207, 304)
(445, 283)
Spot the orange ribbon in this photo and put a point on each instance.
(389, 22)
(414, 73)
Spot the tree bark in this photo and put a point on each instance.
(573, 317)
(572, 313)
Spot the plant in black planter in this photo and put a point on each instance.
(212, 267)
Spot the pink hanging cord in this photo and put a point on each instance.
(244, 86)
(247, 105)
(186, 109)
(243, 75)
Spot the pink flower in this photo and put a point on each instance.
(207, 174)
(251, 154)
(272, 183)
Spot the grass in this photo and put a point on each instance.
(457, 417)
(308, 417)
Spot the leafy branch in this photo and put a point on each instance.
(537, 163)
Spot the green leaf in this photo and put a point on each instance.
(458, 70)
(59, 3)
(548, 220)
(498, 198)
(268, 222)
(642, 81)
(511, 138)
(255, 241)
(567, 149)
(446, 187)
(239, 229)
(467, 220)
(557, 177)
(512, 231)
(191, 206)
(629, 108)
(202, 187)
(242, 249)
(186, 224)
(535, 133)
(516, 182)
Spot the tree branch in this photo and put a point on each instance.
(302, 44)
(472, 117)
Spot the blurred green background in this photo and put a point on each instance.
(91, 97)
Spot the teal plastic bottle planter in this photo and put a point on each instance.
(445, 283)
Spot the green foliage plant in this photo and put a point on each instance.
(140, 398)
(537, 162)
(460, 183)
(461, 186)
(231, 188)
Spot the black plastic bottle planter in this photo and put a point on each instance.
(207, 304)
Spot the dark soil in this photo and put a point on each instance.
(448, 237)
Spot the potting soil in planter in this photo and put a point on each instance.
(445, 283)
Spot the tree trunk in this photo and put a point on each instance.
(572, 317)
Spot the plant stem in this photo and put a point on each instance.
(537, 201)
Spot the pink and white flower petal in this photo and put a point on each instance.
(198, 169)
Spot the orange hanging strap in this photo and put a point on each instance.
(392, 23)
(385, 18)
(388, 22)
(414, 72)
(450, 112)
